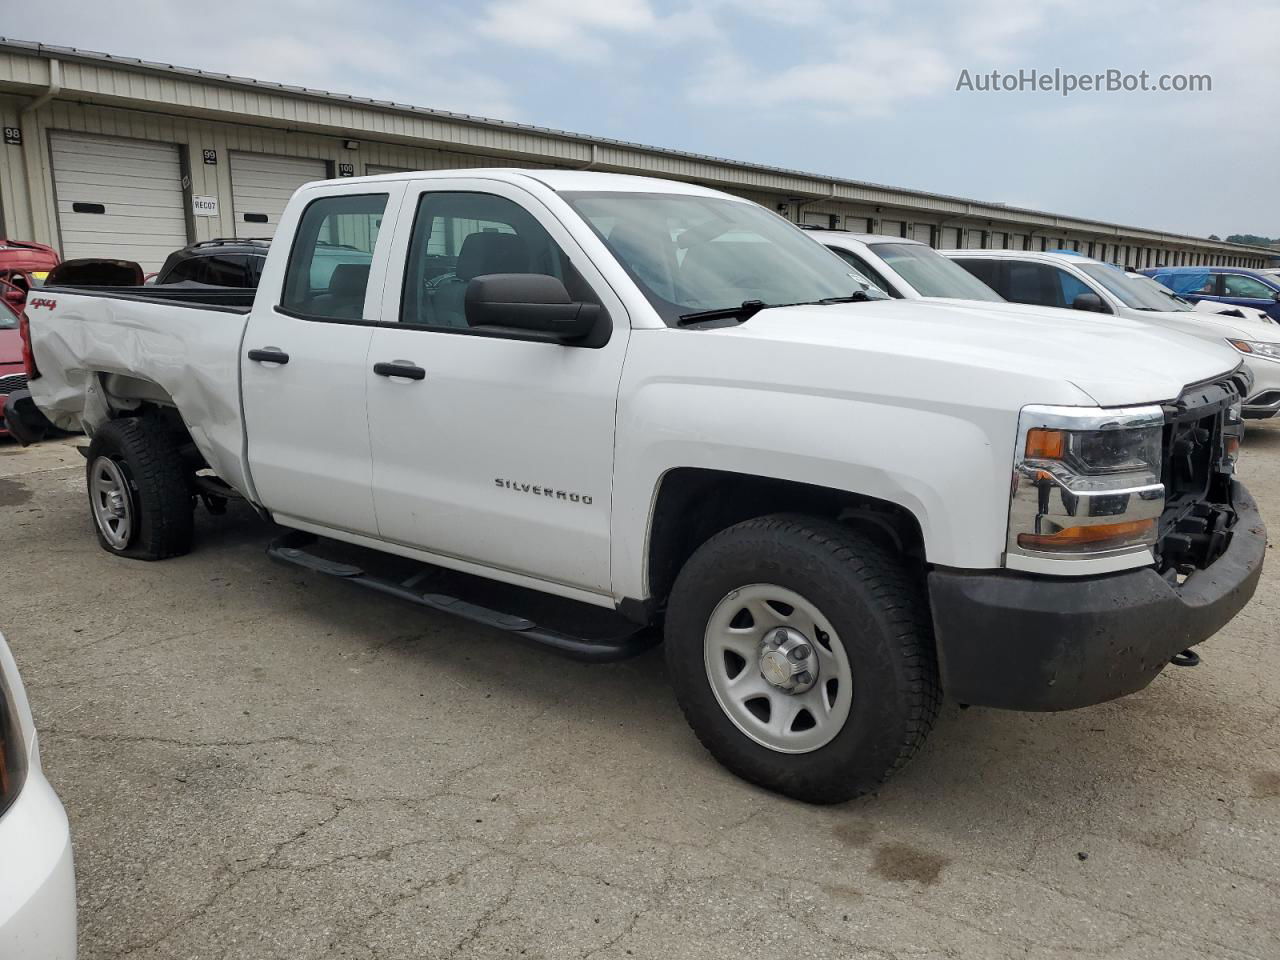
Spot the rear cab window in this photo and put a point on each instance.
(328, 271)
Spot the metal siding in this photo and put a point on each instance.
(139, 183)
(15, 193)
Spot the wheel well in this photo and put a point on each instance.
(695, 504)
(171, 421)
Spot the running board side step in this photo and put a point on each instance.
(289, 549)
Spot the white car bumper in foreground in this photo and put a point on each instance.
(37, 878)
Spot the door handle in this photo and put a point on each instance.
(268, 355)
(400, 368)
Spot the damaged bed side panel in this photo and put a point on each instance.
(100, 356)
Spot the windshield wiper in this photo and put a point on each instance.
(858, 296)
(742, 313)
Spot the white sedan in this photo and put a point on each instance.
(37, 878)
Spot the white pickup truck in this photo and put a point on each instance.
(674, 409)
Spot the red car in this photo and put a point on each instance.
(23, 265)
(13, 373)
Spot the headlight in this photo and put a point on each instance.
(1086, 486)
(1257, 348)
(13, 751)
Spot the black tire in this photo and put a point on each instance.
(879, 611)
(159, 488)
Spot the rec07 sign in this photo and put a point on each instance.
(204, 206)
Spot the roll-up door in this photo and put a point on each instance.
(890, 228)
(376, 169)
(261, 185)
(118, 198)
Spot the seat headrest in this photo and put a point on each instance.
(349, 280)
(484, 253)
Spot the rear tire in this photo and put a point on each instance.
(140, 497)
(864, 690)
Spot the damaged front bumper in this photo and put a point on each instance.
(1026, 642)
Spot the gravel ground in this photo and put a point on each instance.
(262, 763)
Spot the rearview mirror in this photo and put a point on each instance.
(531, 303)
(1088, 301)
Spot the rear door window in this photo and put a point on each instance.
(328, 270)
(1036, 283)
(988, 271)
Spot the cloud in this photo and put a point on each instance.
(314, 43)
(569, 29)
(864, 80)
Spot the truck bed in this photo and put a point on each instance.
(170, 349)
(230, 299)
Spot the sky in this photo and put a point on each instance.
(862, 89)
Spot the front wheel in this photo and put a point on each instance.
(140, 497)
(802, 656)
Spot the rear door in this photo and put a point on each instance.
(261, 185)
(501, 452)
(304, 363)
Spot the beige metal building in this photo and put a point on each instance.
(110, 156)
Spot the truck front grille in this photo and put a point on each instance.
(14, 381)
(1195, 527)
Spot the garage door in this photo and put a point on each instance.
(376, 169)
(890, 228)
(118, 198)
(261, 185)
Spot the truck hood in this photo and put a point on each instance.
(1112, 361)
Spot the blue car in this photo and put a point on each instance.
(1259, 289)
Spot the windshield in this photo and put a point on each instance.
(1128, 291)
(690, 254)
(1175, 302)
(932, 274)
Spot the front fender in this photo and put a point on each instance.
(950, 471)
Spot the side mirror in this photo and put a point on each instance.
(529, 302)
(1088, 301)
(1276, 296)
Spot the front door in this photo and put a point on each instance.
(496, 451)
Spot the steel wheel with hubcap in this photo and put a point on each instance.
(801, 652)
(778, 668)
(111, 502)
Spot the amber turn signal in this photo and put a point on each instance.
(1045, 444)
(1097, 536)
